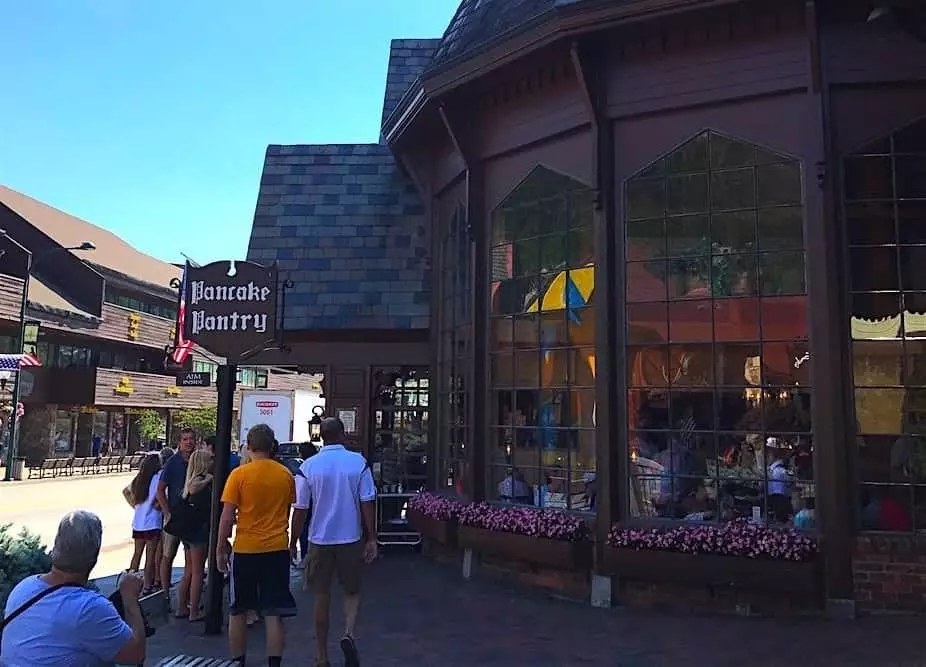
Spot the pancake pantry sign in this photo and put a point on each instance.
(229, 308)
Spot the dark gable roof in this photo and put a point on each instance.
(347, 227)
(478, 22)
(407, 60)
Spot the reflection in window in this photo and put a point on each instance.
(718, 364)
(885, 219)
(400, 428)
(454, 351)
(542, 338)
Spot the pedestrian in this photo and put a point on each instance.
(56, 619)
(338, 486)
(192, 518)
(147, 520)
(258, 497)
(233, 459)
(170, 492)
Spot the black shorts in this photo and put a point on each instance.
(260, 582)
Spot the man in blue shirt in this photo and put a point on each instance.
(233, 459)
(170, 491)
(54, 619)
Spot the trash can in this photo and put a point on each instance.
(19, 467)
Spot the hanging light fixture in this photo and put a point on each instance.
(315, 424)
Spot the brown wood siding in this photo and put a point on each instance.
(530, 116)
(866, 53)
(11, 292)
(639, 141)
(149, 391)
(570, 155)
(319, 355)
(861, 115)
(446, 167)
(152, 331)
(705, 63)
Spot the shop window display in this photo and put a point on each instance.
(718, 363)
(400, 421)
(885, 221)
(454, 353)
(541, 344)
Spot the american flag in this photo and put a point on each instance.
(12, 362)
(182, 347)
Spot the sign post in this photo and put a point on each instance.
(230, 309)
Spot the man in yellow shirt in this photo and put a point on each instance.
(258, 497)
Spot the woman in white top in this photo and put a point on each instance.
(147, 522)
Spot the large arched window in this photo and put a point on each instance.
(885, 219)
(454, 354)
(718, 370)
(542, 338)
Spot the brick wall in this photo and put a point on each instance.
(890, 573)
(661, 596)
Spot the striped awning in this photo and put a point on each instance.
(12, 362)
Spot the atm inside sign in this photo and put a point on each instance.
(194, 379)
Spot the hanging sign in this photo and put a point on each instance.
(230, 307)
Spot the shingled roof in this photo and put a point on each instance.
(112, 252)
(479, 22)
(347, 227)
(407, 60)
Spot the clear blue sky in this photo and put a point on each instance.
(151, 117)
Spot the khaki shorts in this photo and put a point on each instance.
(326, 560)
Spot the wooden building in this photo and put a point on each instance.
(105, 318)
(641, 228)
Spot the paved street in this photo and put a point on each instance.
(419, 614)
(40, 504)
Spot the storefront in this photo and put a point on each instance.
(681, 279)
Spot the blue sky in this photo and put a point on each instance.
(151, 117)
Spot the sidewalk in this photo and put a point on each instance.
(420, 614)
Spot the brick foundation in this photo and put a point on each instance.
(890, 573)
(662, 596)
(703, 599)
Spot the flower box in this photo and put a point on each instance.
(761, 574)
(558, 554)
(436, 530)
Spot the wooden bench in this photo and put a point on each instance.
(193, 661)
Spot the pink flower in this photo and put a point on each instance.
(736, 538)
(433, 506)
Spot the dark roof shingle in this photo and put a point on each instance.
(478, 22)
(347, 227)
(408, 58)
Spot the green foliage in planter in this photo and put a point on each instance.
(21, 555)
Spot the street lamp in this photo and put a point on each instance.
(31, 263)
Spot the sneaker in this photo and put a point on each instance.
(349, 649)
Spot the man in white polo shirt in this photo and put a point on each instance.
(338, 486)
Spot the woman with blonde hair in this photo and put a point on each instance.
(193, 532)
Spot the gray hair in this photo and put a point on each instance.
(165, 454)
(78, 542)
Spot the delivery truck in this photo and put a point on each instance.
(287, 412)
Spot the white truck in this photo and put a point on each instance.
(287, 412)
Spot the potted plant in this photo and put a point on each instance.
(739, 553)
(540, 536)
(435, 517)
